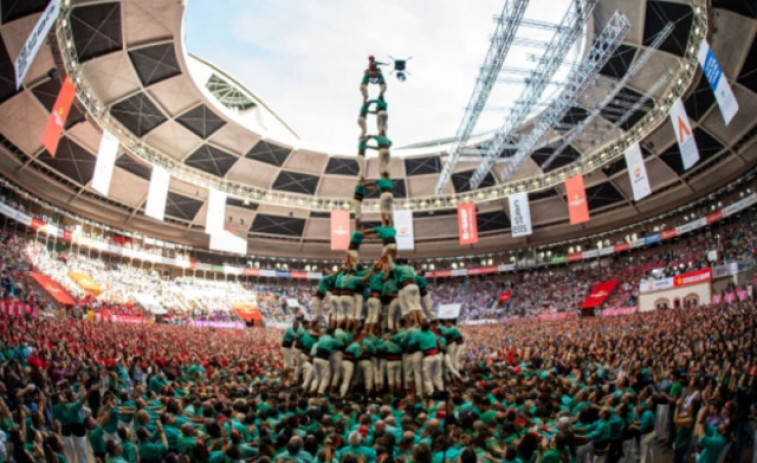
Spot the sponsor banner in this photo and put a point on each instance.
(106, 159)
(203, 266)
(590, 254)
(128, 319)
(668, 234)
(57, 119)
(740, 205)
(156, 196)
(448, 311)
(636, 243)
(268, 273)
(691, 226)
(575, 257)
(607, 251)
(282, 274)
(467, 223)
(315, 275)
(483, 270)
(684, 135)
(506, 267)
(232, 270)
(216, 268)
(619, 311)
(520, 214)
(693, 278)
(217, 325)
(599, 294)
(483, 321)
(558, 260)
(578, 208)
(403, 223)
(216, 213)
(552, 317)
(648, 286)
(441, 274)
(226, 241)
(716, 216)
(637, 172)
(298, 275)
(35, 40)
(53, 289)
(251, 272)
(461, 272)
(652, 239)
(718, 83)
(340, 230)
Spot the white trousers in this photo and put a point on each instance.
(348, 368)
(410, 299)
(335, 361)
(323, 372)
(394, 373)
(374, 308)
(432, 374)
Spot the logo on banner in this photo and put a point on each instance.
(466, 221)
(683, 130)
(520, 214)
(687, 144)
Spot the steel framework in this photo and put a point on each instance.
(565, 35)
(507, 25)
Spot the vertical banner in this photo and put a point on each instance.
(106, 159)
(684, 135)
(58, 116)
(719, 84)
(403, 223)
(467, 223)
(578, 208)
(35, 40)
(340, 230)
(637, 172)
(520, 214)
(214, 220)
(156, 197)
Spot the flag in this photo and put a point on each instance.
(505, 296)
(106, 159)
(718, 83)
(403, 223)
(35, 40)
(467, 224)
(687, 145)
(156, 196)
(58, 116)
(637, 172)
(216, 215)
(599, 294)
(520, 214)
(578, 208)
(340, 230)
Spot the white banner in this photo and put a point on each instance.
(719, 84)
(156, 197)
(106, 159)
(684, 135)
(448, 311)
(35, 40)
(403, 223)
(637, 172)
(216, 211)
(224, 240)
(520, 214)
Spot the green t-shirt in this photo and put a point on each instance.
(151, 452)
(129, 451)
(385, 232)
(421, 281)
(384, 184)
(389, 287)
(328, 343)
(383, 142)
(325, 283)
(353, 350)
(97, 440)
(403, 273)
(359, 190)
(376, 282)
(425, 340)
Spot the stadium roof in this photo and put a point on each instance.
(134, 74)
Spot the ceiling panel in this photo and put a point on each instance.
(342, 166)
(96, 29)
(423, 165)
(211, 160)
(138, 113)
(201, 121)
(15, 9)
(658, 14)
(296, 182)
(269, 153)
(277, 225)
(182, 207)
(71, 160)
(155, 63)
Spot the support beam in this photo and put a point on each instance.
(507, 25)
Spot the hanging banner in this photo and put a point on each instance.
(216, 216)
(520, 214)
(156, 197)
(340, 230)
(599, 294)
(637, 172)
(35, 40)
(403, 223)
(106, 159)
(226, 241)
(687, 145)
(718, 83)
(58, 116)
(578, 208)
(467, 223)
(448, 311)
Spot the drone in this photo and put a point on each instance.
(400, 68)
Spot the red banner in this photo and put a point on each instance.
(251, 272)
(467, 223)
(53, 289)
(575, 257)
(714, 217)
(668, 234)
(58, 116)
(551, 317)
(621, 247)
(298, 275)
(599, 294)
(483, 270)
(578, 208)
(504, 296)
(340, 230)
(693, 278)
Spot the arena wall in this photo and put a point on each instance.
(702, 293)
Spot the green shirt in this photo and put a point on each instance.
(403, 273)
(129, 451)
(712, 444)
(97, 440)
(376, 282)
(389, 287)
(421, 281)
(383, 142)
(361, 146)
(328, 343)
(353, 349)
(151, 452)
(385, 232)
(647, 421)
(426, 340)
(359, 189)
(325, 283)
(385, 184)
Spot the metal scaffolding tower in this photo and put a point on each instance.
(565, 35)
(604, 46)
(613, 99)
(507, 25)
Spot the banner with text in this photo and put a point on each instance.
(106, 159)
(520, 214)
(35, 40)
(578, 208)
(718, 83)
(58, 116)
(599, 294)
(403, 223)
(340, 230)
(467, 224)
(637, 172)
(687, 145)
(156, 196)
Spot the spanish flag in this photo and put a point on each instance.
(57, 119)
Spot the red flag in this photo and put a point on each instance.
(578, 208)
(340, 230)
(467, 223)
(599, 294)
(58, 116)
(505, 296)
